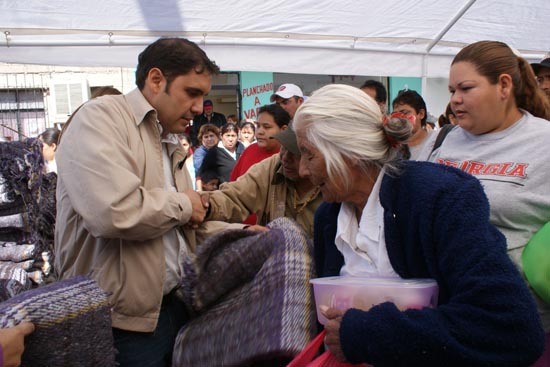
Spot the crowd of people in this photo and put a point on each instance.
(143, 178)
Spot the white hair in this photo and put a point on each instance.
(344, 122)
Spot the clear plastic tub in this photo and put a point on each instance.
(363, 293)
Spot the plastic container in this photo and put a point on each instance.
(363, 293)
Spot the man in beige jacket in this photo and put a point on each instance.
(126, 210)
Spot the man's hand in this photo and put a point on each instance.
(332, 327)
(13, 343)
(199, 205)
(205, 198)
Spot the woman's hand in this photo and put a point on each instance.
(332, 327)
(13, 343)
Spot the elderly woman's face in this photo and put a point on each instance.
(312, 166)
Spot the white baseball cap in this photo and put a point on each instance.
(286, 91)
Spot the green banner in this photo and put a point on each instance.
(398, 83)
(256, 88)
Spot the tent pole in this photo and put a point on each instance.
(438, 38)
(424, 73)
(449, 25)
(219, 42)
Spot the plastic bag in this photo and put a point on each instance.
(536, 262)
(306, 358)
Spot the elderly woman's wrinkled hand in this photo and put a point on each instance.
(332, 327)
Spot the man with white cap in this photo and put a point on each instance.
(289, 97)
(542, 71)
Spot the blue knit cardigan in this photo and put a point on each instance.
(437, 226)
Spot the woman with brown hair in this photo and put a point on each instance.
(209, 135)
(222, 158)
(448, 118)
(502, 140)
(49, 139)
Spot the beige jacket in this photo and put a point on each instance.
(112, 209)
(263, 190)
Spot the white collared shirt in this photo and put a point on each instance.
(174, 242)
(364, 245)
(233, 154)
(51, 166)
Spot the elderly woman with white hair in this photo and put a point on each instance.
(385, 217)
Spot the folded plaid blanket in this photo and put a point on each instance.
(72, 321)
(224, 263)
(265, 320)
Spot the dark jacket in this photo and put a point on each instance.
(219, 161)
(437, 226)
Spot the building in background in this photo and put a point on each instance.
(36, 97)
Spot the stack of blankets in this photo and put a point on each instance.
(27, 217)
(72, 317)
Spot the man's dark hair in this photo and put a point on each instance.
(413, 99)
(208, 175)
(174, 57)
(381, 93)
(280, 116)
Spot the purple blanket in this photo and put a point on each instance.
(72, 321)
(264, 320)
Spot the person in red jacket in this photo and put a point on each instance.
(272, 119)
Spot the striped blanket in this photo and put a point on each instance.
(72, 321)
(264, 320)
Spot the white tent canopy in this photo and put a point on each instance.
(340, 37)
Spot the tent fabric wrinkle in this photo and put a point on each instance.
(371, 37)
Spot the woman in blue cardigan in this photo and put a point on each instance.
(383, 217)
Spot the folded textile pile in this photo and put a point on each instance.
(224, 263)
(253, 297)
(27, 216)
(72, 321)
